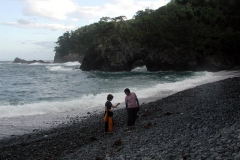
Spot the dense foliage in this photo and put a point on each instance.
(192, 28)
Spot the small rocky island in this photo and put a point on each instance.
(18, 60)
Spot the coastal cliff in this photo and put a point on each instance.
(67, 58)
(111, 58)
(182, 35)
(122, 57)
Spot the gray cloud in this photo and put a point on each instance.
(64, 9)
(52, 9)
(24, 22)
(43, 44)
(28, 24)
(46, 44)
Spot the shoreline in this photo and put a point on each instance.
(197, 123)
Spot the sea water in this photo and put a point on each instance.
(39, 96)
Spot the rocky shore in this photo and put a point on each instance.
(198, 123)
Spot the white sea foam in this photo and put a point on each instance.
(165, 89)
(140, 69)
(82, 105)
(42, 64)
(76, 63)
(72, 63)
(58, 68)
(62, 66)
(36, 63)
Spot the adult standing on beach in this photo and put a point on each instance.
(108, 112)
(132, 105)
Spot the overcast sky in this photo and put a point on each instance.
(30, 28)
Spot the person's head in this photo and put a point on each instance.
(127, 91)
(109, 97)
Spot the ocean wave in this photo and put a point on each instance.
(58, 68)
(36, 63)
(84, 104)
(165, 89)
(95, 102)
(23, 83)
(140, 69)
(76, 63)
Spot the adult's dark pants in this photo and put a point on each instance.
(132, 116)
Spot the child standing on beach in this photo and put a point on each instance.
(108, 116)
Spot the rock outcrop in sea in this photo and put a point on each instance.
(19, 60)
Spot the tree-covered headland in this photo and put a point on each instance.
(182, 35)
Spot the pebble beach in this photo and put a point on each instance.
(201, 123)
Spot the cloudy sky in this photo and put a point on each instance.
(30, 28)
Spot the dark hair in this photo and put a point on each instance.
(109, 97)
(127, 90)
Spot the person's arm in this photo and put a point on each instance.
(115, 105)
(137, 100)
(126, 103)
(109, 109)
